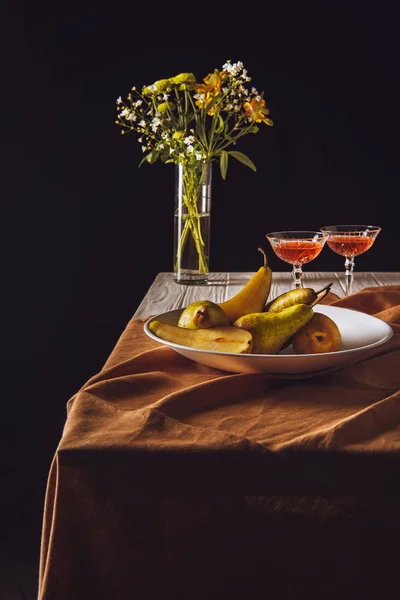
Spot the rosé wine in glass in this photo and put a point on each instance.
(297, 248)
(350, 241)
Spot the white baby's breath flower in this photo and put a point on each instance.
(234, 69)
(155, 123)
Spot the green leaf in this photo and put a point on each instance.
(223, 163)
(144, 159)
(221, 124)
(243, 159)
(164, 156)
(228, 138)
(152, 156)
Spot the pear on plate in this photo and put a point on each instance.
(220, 339)
(306, 295)
(253, 296)
(320, 334)
(202, 314)
(270, 331)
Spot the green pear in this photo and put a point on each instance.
(270, 331)
(202, 314)
(220, 339)
(305, 295)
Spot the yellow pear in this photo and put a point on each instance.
(320, 334)
(202, 314)
(270, 331)
(221, 339)
(253, 296)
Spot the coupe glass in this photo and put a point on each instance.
(297, 248)
(350, 241)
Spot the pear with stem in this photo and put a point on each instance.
(305, 295)
(253, 296)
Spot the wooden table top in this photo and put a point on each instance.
(165, 295)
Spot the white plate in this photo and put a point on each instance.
(360, 332)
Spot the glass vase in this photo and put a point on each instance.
(192, 222)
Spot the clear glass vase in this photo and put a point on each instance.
(192, 222)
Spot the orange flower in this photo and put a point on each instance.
(210, 88)
(256, 110)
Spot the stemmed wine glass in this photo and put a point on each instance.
(350, 241)
(297, 248)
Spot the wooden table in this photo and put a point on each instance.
(165, 295)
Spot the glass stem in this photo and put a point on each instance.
(297, 275)
(349, 266)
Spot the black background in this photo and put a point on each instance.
(85, 230)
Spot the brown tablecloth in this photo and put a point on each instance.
(153, 432)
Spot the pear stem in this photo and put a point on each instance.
(265, 256)
(325, 289)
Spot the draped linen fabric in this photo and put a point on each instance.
(154, 485)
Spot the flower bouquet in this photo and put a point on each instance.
(191, 124)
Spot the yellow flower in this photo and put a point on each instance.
(164, 106)
(183, 78)
(157, 87)
(209, 89)
(256, 111)
(214, 80)
(178, 135)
